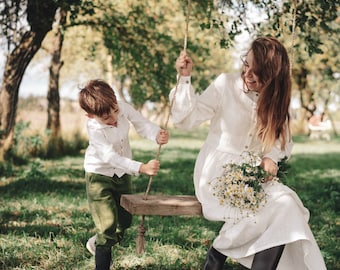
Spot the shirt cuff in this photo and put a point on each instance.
(134, 167)
(184, 79)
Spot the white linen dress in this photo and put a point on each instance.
(283, 219)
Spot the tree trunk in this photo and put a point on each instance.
(306, 96)
(15, 67)
(40, 15)
(55, 143)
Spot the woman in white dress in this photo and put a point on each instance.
(248, 112)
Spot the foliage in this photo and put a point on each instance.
(137, 53)
(74, 144)
(313, 16)
(14, 14)
(6, 169)
(144, 48)
(33, 172)
(24, 146)
(284, 168)
(27, 145)
(46, 213)
(11, 15)
(136, 46)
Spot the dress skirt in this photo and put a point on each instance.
(283, 220)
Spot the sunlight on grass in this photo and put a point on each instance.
(307, 145)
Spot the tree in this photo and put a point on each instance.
(141, 43)
(55, 143)
(40, 15)
(144, 40)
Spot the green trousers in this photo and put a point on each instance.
(110, 218)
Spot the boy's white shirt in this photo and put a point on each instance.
(109, 152)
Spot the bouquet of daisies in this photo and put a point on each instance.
(240, 184)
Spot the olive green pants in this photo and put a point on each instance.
(110, 218)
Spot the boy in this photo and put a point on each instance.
(109, 165)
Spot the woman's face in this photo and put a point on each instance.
(251, 80)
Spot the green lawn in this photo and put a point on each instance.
(45, 223)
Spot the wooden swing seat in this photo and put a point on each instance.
(161, 205)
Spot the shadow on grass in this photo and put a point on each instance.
(45, 231)
(175, 175)
(27, 202)
(176, 178)
(28, 187)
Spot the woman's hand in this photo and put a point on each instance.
(270, 167)
(184, 64)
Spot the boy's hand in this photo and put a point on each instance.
(162, 137)
(150, 168)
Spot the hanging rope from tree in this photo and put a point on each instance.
(141, 229)
(293, 36)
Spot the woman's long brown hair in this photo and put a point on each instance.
(271, 66)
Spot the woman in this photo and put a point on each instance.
(248, 113)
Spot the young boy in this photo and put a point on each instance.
(109, 165)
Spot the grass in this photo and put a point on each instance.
(45, 222)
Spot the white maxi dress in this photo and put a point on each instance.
(283, 219)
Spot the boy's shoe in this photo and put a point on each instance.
(103, 258)
(90, 245)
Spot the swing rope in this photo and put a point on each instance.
(293, 36)
(141, 229)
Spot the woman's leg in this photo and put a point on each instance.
(267, 259)
(215, 260)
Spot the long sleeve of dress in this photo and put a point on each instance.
(276, 153)
(191, 109)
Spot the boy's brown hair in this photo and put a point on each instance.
(97, 98)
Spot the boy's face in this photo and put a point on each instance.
(107, 119)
